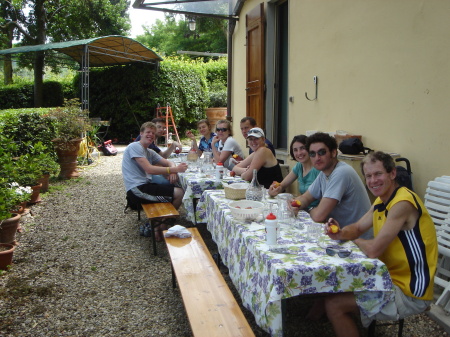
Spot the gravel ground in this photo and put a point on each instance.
(81, 269)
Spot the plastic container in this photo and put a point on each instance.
(219, 171)
(272, 228)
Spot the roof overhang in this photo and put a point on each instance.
(103, 51)
(224, 9)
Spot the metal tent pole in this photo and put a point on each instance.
(85, 78)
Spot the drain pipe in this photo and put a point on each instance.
(231, 26)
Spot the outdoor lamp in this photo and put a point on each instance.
(191, 24)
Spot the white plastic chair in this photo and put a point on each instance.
(437, 202)
(442, 277)
(443, 179)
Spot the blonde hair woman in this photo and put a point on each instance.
(227, 145)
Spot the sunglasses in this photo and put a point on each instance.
(222, 129)
(321, 153)
(340, 252)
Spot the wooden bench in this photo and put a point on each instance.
(157, 212)
(210, 306)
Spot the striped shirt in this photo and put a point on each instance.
(411, 257)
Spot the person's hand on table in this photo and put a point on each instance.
(295, 205)
(332, 229)
(182, 167)
(234, 161)
(275, 188)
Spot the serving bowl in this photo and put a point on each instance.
(246, 209)
(235, 191)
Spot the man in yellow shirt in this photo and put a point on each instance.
(404, 239)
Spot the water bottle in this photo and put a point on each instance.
(272, 228)
(254, 190)
(219, 171)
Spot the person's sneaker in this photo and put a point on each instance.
(147, 230)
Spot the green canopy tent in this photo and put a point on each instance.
(96, 52)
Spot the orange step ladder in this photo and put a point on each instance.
(166, 113)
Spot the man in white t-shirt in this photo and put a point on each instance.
(138, 163)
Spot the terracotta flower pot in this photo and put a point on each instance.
(6, 255)
(45, 182)
(8, 229)
(214, 115)
(67, 153)
(35, 195)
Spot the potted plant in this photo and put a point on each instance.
(217, 103)
(70, 124)
(6, 254)
(47, 163)
(12, 195)
(11, 192)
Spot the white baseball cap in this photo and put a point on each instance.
(256, 132)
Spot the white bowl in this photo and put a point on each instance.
(240, 209)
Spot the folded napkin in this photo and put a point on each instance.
(178, 231)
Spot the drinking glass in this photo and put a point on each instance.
(183, 157)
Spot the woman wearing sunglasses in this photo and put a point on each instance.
(227, 145)
(261, 159)
(303, 171)
(205, 143)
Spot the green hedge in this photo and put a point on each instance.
(129, 95)
(16, 96)
(217, 71)
(26, 125)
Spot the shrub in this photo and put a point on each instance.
(53, 94)
(28, 125)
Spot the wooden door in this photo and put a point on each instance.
(255, 64)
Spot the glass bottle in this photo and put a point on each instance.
(254, 190)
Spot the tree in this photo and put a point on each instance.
(10, 13)
(64, 20)
(171, 35)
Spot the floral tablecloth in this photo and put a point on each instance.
(298, 265)
(194, 184)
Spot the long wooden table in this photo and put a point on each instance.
(264, 278)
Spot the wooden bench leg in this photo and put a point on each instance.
(174, 282)
(283, 316)
(371, 332)
(152, 224)
(194, 204)
(400, 327)
(371, 329)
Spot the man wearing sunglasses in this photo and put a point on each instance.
(339, 188)
(405, 240)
